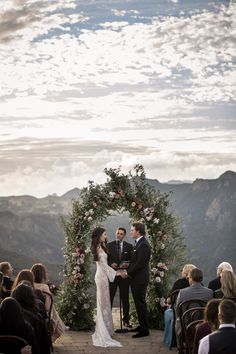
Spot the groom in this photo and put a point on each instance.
(138, 272)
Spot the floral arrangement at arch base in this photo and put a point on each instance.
(121, 192)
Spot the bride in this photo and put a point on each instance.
(104, 324)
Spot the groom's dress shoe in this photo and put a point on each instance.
(137, 329)
(141, 334)
(126, 324)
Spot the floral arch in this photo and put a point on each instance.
(121, 192)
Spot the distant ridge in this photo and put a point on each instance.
(72, 194)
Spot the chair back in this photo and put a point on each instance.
(11, 344)
(184, 307)
(173, 297)
(49, 320)
(190, 335)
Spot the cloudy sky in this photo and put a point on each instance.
(91, 84)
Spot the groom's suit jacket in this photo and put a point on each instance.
(138, 270)
(113, 253)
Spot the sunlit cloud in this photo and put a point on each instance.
(126, 88)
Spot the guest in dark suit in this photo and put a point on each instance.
(222, 341)
(215, 284)
(6, 269)
(138, 272)
(119, 256)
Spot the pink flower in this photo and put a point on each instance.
(86, 306)
(121, 192)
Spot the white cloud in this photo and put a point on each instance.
(134, 84)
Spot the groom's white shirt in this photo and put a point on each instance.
(139, 238)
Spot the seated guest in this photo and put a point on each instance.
(183, 281)
(168, 322)
(6, 269)
(13, 323)
(195, 291)
(169, 318)
(228, 286)
(210, 324)
(27, 275)
(24, 294)
(40, 278)
(222, 341)
(215, 284)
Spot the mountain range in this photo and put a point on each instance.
(30, 228)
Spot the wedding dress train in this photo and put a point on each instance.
(104, 324)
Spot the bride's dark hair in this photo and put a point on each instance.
(96, 234)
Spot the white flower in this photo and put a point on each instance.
(87, 250)
(152, 210)
(94, 204)
(156, 221)
(77, 268)
(74, 272)
(133, 204)
(158, 279)
(91, 212)
(162, 274)
(90, 218)
(162, 246)
(149, 218)
(86, 213)
(86, 306)
(154, 270)
(146, 211)
(112, 195)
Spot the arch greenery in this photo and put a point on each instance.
(121, 192)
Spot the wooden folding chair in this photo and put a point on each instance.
(49, 320)
(182, 307)
(11, 344)
(173, 297)
(189, 320)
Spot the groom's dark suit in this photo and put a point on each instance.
(138, 272)
(115, 257)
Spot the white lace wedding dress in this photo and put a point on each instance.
(104, 324)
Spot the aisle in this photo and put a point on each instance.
(81, 343)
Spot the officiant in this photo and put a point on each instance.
(119, 257)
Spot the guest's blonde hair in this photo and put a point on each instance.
(187, 269)
(228, 283)
(224, 266)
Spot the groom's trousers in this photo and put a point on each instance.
(139, 294)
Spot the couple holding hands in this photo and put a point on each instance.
(119, 264)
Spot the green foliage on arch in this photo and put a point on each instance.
(121, 192)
